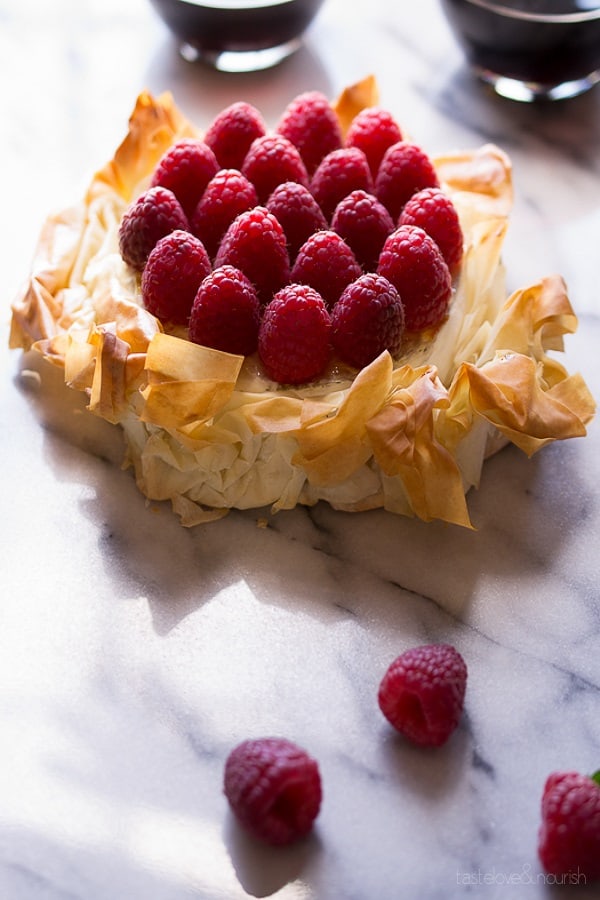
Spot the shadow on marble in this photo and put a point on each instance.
(331, 563)
(195, 85)
(263, 870)
(569, 128)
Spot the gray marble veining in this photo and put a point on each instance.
(135, 653)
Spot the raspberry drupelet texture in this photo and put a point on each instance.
(227, 195)
(270, 161)
(294, 335)
(413, 262)
(422, 693)
(186, 168)
(569, 836)
(367, 319)
(226, 312)
(337, 175)
(273, 788)
(433, 211)
(232, 131)
(256, 244)
(154, 214)
(364, 223)
(373, 130)
(298, 213)
(327, 264)
(174, 270)
(404, 170)
(310, 123)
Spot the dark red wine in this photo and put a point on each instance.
(548, 42)
(237, 25)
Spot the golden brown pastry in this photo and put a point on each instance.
(206, 430)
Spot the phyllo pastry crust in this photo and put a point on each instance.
(208, 431)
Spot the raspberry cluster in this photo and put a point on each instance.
(315, 247)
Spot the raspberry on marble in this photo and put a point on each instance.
(422, 693)
(569, 835)
(273, 788)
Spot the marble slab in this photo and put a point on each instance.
(136, 653)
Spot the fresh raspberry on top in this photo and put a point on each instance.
(373, 130)
(154, 214)
(298, 212)
(337, 175)
(413, 262)
(186, 168)
(367, 319)
(422, 693)
(294, 335)
(433, 211)
(273, 788)
(256, 244)
(270, 161)
(232, 131)
(327, 263)
(226, 312)
(310, 123)
(364, 223)
(174, 270)
(227, 195)
(569, 836)
(404, 170)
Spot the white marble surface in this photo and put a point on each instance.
(136, 653)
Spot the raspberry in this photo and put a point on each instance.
(569, 836)
(154, 214)
(227, 195)
(186, 168)
(364, 223)
(230, 134)
(327, 264)
(174, 270)
(367, 319)
(255, 243)
(293, 339)
(433, 211)
(337, 175)
(298, 213)
(413, 262)
(310, 123)
(273, 788)
(404, 170)
(270, 161)
(422, 693)
(226, 312)
(373, 130)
